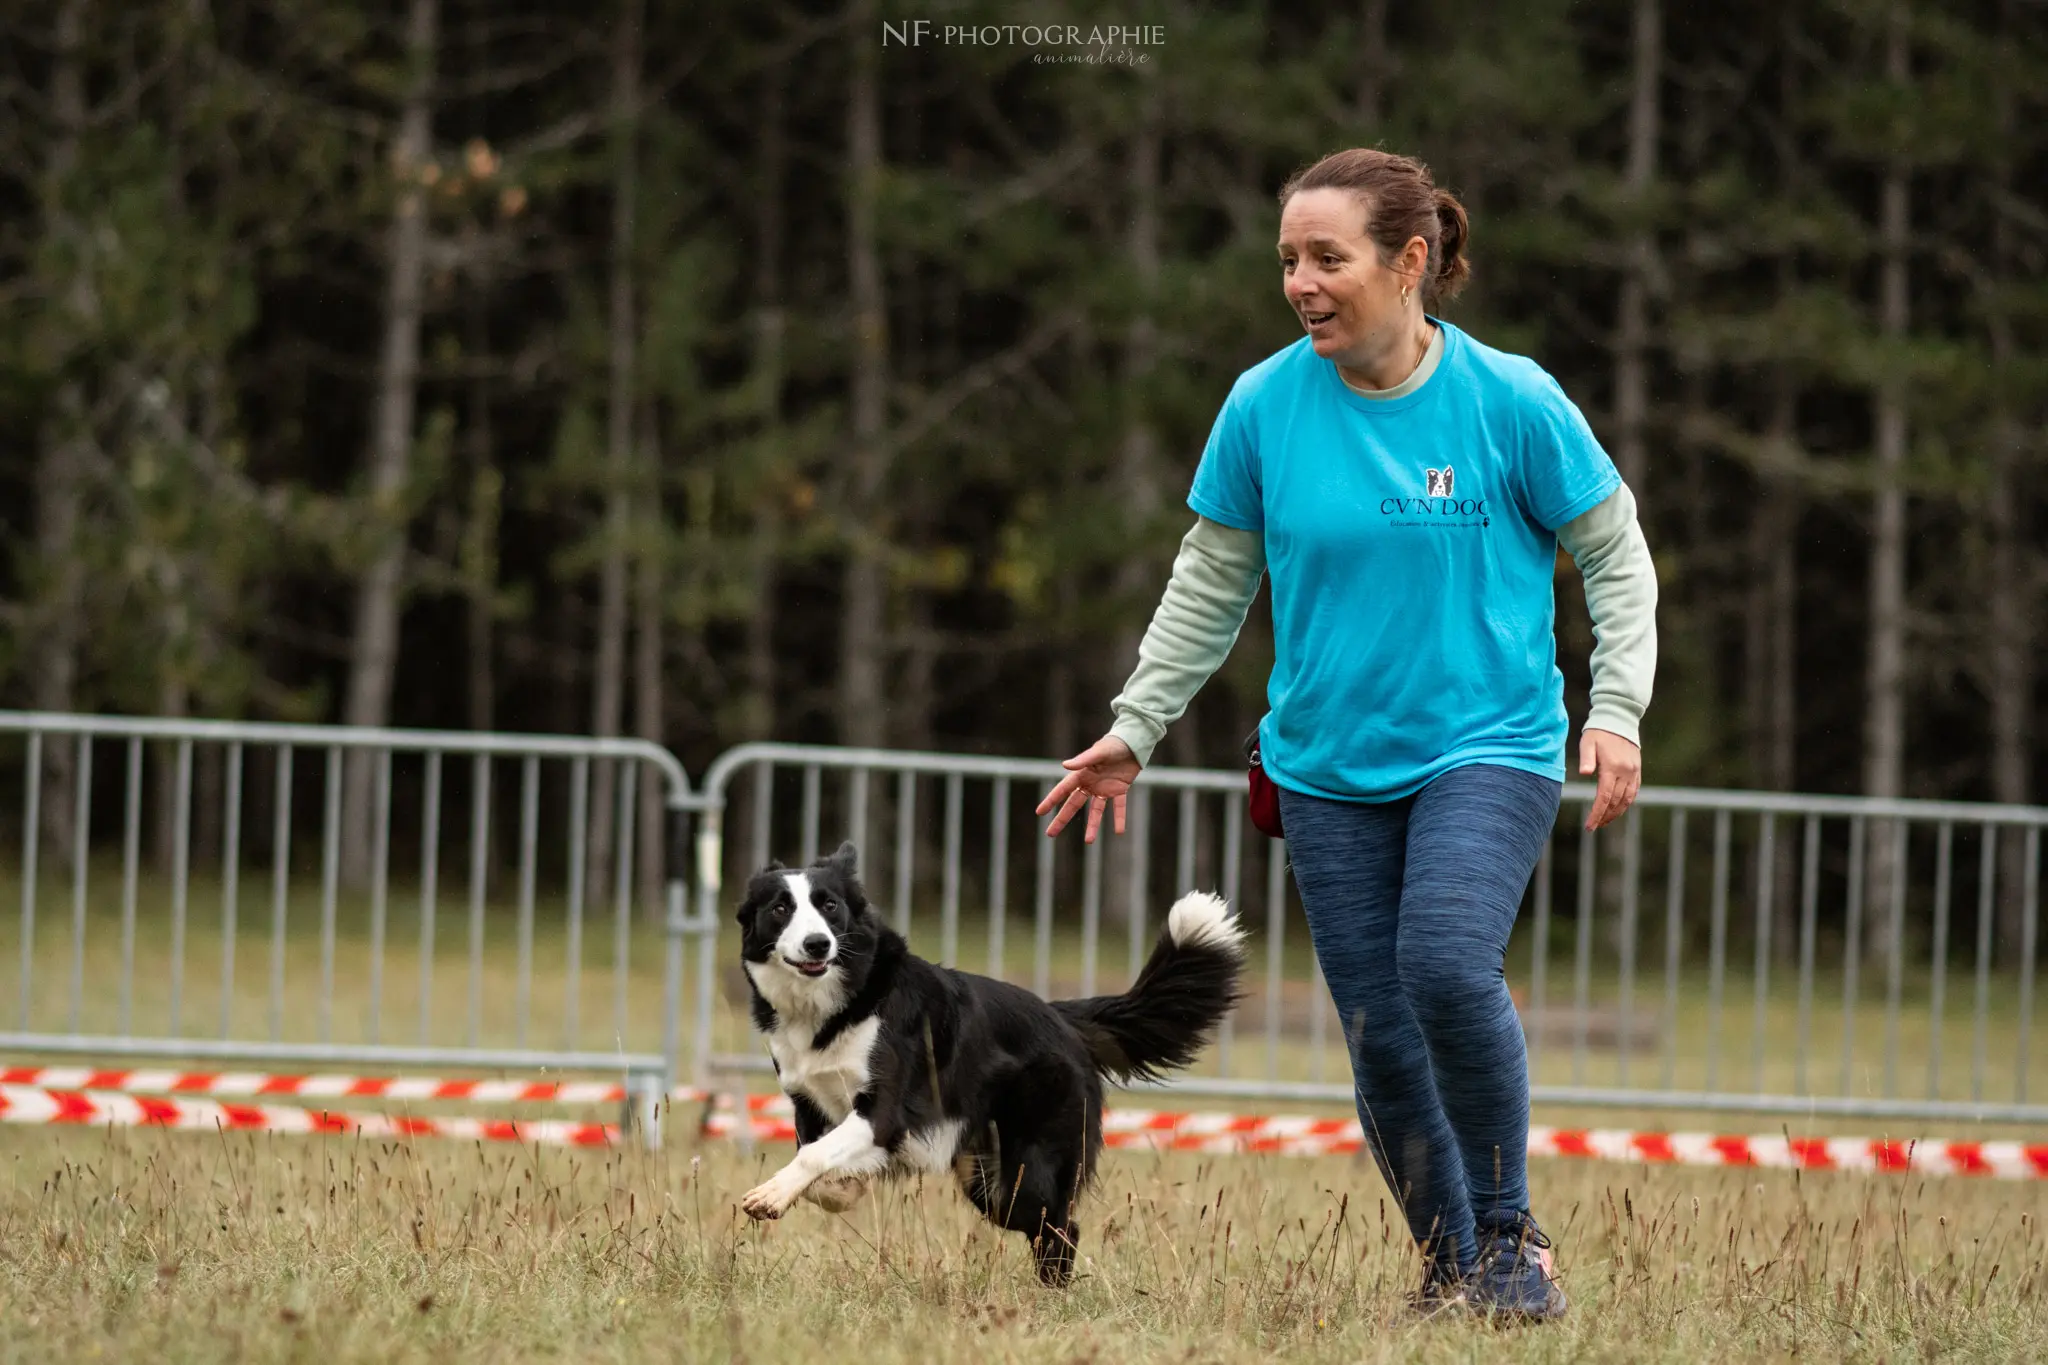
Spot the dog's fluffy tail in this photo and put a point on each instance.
(1188, 985)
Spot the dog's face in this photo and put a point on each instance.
(802, 931)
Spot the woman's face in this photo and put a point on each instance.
(1347, 300)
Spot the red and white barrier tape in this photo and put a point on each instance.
(80, 1095)
(2005, 1160)
(1233, 1134)
(100, 1109)
(254, 1085)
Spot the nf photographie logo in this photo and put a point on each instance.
(1050, 44)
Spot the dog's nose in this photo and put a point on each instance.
(816, 946)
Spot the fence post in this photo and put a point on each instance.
(641, 1121)
(710, 882)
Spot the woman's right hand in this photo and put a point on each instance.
(1097, 776)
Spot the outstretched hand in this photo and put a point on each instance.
(1620, 766)
(1098, 776)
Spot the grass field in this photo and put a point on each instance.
(174, 1247)
(181, 1246)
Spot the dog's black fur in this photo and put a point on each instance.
(897, 1065)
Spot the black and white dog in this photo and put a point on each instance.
(897, 1066)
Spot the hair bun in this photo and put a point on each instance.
(1452, 268)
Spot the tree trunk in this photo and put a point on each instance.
(1774, 695)
(770, 326)
(863, 713)
(60, 475)
(609, 684)
(1768, 680)
(2012, 632)
(1885, 720)
(1770, 691)
(1138, 581)
(1782, 766)
(1770, 677)
(913, 355)
(647, 660)
(190, 616)
(2011, 589)
(479, 553)
(1632, 345)
(373, 656)
(1632, 329)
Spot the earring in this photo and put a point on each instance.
(1404, 293)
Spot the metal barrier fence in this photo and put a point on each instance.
(1714, 950)
(357, 837)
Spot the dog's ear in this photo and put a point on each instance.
(761, 889)
(845, 860)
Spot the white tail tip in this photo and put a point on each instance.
(1204, 918)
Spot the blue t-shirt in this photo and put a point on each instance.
(1411, 544)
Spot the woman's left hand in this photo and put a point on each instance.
(1620, 765)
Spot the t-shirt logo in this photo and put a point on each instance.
(1439, 507)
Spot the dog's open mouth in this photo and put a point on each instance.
(808, 968)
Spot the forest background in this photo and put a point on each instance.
(712, 371)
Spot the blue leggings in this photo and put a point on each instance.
(1410, 903)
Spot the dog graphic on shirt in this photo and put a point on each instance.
(1437, 482)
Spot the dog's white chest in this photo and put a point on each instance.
(829, 1076)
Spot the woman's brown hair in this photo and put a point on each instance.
(1401, 201)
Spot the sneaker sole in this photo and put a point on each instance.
(1552, 1309)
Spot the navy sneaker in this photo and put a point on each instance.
(1514, 1278)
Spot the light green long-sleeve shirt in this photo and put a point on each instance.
(1216, 575)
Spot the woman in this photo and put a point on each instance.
(1407, 488)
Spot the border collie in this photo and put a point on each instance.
(897, 1066)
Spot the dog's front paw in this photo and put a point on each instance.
(772, 1197)
(763, 1202)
